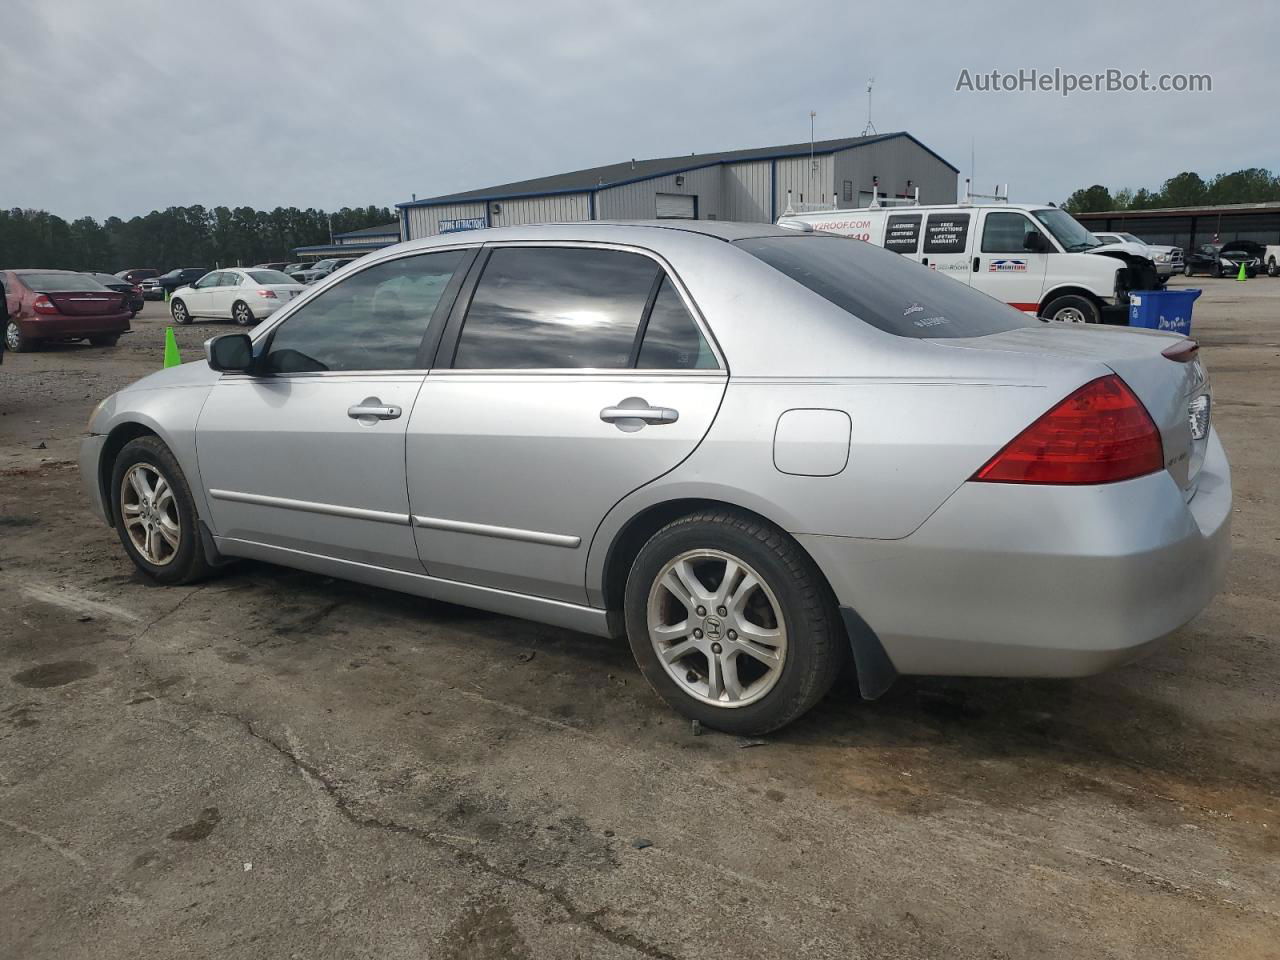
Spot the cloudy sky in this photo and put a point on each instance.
(122, 106)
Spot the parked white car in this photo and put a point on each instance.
(1168, 260)
(243, 295)
(1271, 260)
(1034, 258)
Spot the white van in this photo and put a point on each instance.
(1029, 256)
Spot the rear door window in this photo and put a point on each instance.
(887, 291)
(556, 308)
(672, 340)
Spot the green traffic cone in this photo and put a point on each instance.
(1241, 274)
(166, 296)
(171, 357)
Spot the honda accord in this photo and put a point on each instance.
(755, 452)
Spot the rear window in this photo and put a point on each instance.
(890, 292)
(59, 282)
(270, 276)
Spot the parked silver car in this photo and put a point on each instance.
(754, 451)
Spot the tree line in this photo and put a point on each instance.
(1253, 185)
(177, 237)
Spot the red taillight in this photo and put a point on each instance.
(1100, 434)
(42, 304)
(269, 294)
(137, 290)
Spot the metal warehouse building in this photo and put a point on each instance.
(752, 185)
(353, 243)
(1188, 227)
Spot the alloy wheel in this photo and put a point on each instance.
(717, 628)
(149, 512)
(12, 336)
(242, 315)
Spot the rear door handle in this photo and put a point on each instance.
(371, 409)
(647, 414)
(634, 412)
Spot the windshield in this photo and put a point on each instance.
(1131, 238)
(271, 276)
(325, 264)
(887, 290)
(1066, 230)
(60, 282)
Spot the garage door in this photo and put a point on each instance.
(676, 206)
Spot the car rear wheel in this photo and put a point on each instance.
(731, 623)
(105, 340)
(155, 515)
(242, 315)
(15, 341)
(1271, 267)
(180, 312)
(1072, 309)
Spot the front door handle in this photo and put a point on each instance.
(370, 410)
(634, 412)
(977, 264)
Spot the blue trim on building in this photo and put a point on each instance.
(354, 247)
(773, 158)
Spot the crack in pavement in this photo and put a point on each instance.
(345, 808)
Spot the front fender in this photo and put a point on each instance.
(171, 414)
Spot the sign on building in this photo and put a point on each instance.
(469, 223)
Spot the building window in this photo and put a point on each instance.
(848, 191)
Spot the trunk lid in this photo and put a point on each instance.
(86, 303)
(1170, 390)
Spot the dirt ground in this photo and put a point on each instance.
(276, 764)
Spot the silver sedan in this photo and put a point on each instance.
(755, 452)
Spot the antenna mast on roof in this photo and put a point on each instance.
(870, 128)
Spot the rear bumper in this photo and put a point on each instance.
(90, 458)
(62, 327)
(1013, 580)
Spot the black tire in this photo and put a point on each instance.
(1271, 267)
(181, 315)
(816, 645)
(188, 563)
(242, 315)
(105, 340)
(17, 342)
(1070, 305)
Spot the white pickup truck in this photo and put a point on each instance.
(1271, 260)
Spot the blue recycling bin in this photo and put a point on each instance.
(1162, 309)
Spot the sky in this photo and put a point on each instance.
(119, 107)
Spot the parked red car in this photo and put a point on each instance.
(60, 305)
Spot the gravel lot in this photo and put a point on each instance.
(275, 764)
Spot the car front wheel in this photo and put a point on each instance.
(154, 513)
(180, 312)
(731, 623)
(1072, 309)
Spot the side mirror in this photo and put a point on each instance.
(229, 353)
(1035, 243)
